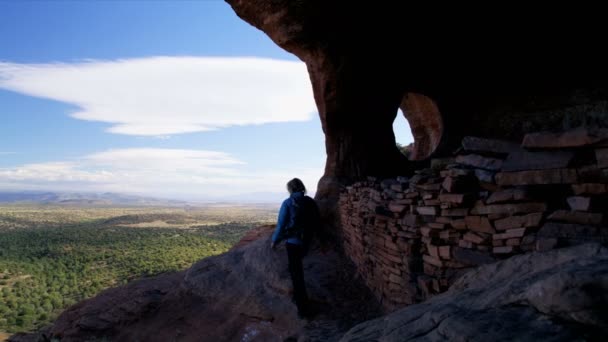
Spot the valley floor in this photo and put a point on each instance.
(52, 257)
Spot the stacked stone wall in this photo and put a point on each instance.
(412, 237)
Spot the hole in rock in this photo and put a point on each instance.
(420, 133)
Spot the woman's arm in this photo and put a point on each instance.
(277, 236)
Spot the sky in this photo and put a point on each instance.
(171, 99)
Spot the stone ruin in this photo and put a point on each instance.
(412, 237)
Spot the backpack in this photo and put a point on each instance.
(303, 220)
(297, 222)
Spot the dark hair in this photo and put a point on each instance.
(295, 185)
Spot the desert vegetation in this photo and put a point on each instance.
(52, 257)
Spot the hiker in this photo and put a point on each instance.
(298, 221)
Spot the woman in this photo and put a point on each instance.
(297, 222)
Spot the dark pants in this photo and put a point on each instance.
(295, 253)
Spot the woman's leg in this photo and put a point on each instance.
(294, 257)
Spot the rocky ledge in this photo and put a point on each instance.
(560, 295)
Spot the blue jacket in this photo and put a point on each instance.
(284, 221)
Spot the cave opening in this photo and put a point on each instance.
(420, 133)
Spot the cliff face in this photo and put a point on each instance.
(496, 75)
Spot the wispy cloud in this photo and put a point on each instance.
(192, 174)
(160, 96)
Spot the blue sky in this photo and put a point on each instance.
(171, 99)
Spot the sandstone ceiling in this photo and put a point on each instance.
(496, 73)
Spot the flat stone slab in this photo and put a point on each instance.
(522, 160)
(475, 144)
(553, 176)
(578, 137)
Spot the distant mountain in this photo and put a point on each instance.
(256, 197)
(70, 198)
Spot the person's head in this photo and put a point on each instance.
(296, 185)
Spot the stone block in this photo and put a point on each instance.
(458, 172)
(450, 184)
(412, 194)
(396, 279)
(508, 195)
(578, 137)
(522, 160)
(432, 260)
(484, 176)
(511, 208)
(513, 242)
(458, 224)
(576, 217)
(429, 269)
(479, 162)
(397, 208)
(536, 177)
(452, 198)
(442, 219)
(429, 187)
(432, 211)
(449, 235)
(391, 245)
(510, 233)
(437, 225)
(465, 244)
(590, 189)
(579, 203)
(475, 144)
(479, 224)
(474, 238)
(433, 251)
(432, 202)
(530, 220)
(455, 212)
(411, 220)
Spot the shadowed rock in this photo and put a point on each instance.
(559, 295)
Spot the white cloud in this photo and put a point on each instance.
(160, 96)
(189, 174)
